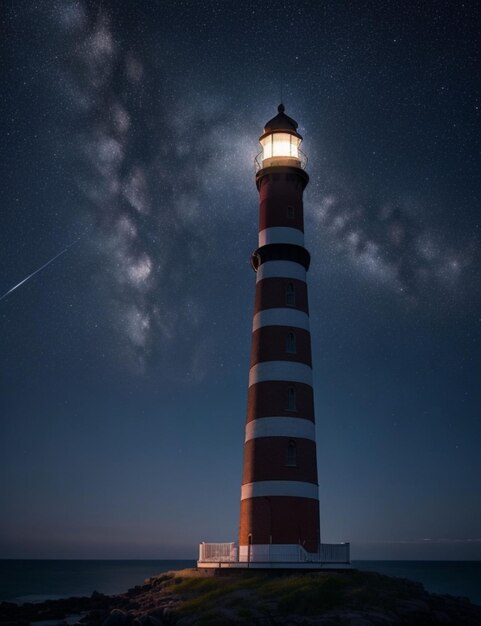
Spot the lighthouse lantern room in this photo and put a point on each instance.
(279, 508)
(280, 143)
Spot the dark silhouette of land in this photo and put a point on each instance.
(349, 598)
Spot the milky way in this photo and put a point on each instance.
(138, 123)
(156, 163)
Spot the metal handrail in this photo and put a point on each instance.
(230, 553)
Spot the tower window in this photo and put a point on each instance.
(291, 214)
(291, 399)
(291, 454)
(291, 343)
(290, 294)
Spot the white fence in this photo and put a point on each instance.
(273, 553)
(335, 553)
(218, 552)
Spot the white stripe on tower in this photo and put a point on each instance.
(281, 234)
(296, 488)
(281, 317)
(296, 427)
(281, 269)
(291, 371)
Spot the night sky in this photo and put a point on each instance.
(129, 129)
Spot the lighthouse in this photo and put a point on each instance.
(279, 503)
(279, 494)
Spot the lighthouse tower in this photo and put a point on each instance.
(279, 495)
(279, 509)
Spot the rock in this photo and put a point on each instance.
(355, 619)
(441, 618)
(168, 616)
(117, 618)
(138, 589)
(352, 618)
(406, 607)
(382, 619)
(96, 617)
(161, 615)
(147, 620)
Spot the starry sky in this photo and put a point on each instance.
(129, 130)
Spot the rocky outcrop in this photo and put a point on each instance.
(52, 610)
(265, 599)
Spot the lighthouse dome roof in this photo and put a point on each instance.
(281, 122)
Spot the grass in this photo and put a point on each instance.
(376, 590)
(203, 594)
(250, 594)
(307, 594)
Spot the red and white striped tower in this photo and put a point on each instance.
(279, 518)
(279, 496)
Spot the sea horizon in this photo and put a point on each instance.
(474, 560)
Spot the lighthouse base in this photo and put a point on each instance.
(273, 556)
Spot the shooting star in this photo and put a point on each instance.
(41, 268)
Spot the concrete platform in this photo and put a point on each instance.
(272, 565)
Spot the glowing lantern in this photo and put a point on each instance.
(280, 142)
(280, 145)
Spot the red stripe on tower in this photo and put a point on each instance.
(279, 495)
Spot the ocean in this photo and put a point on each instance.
(36, 580)
(457, 578)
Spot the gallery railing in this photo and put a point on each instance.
(329, 553)
(300, 161)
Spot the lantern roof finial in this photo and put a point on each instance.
(282, 122)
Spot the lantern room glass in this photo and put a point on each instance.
(280, 145)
